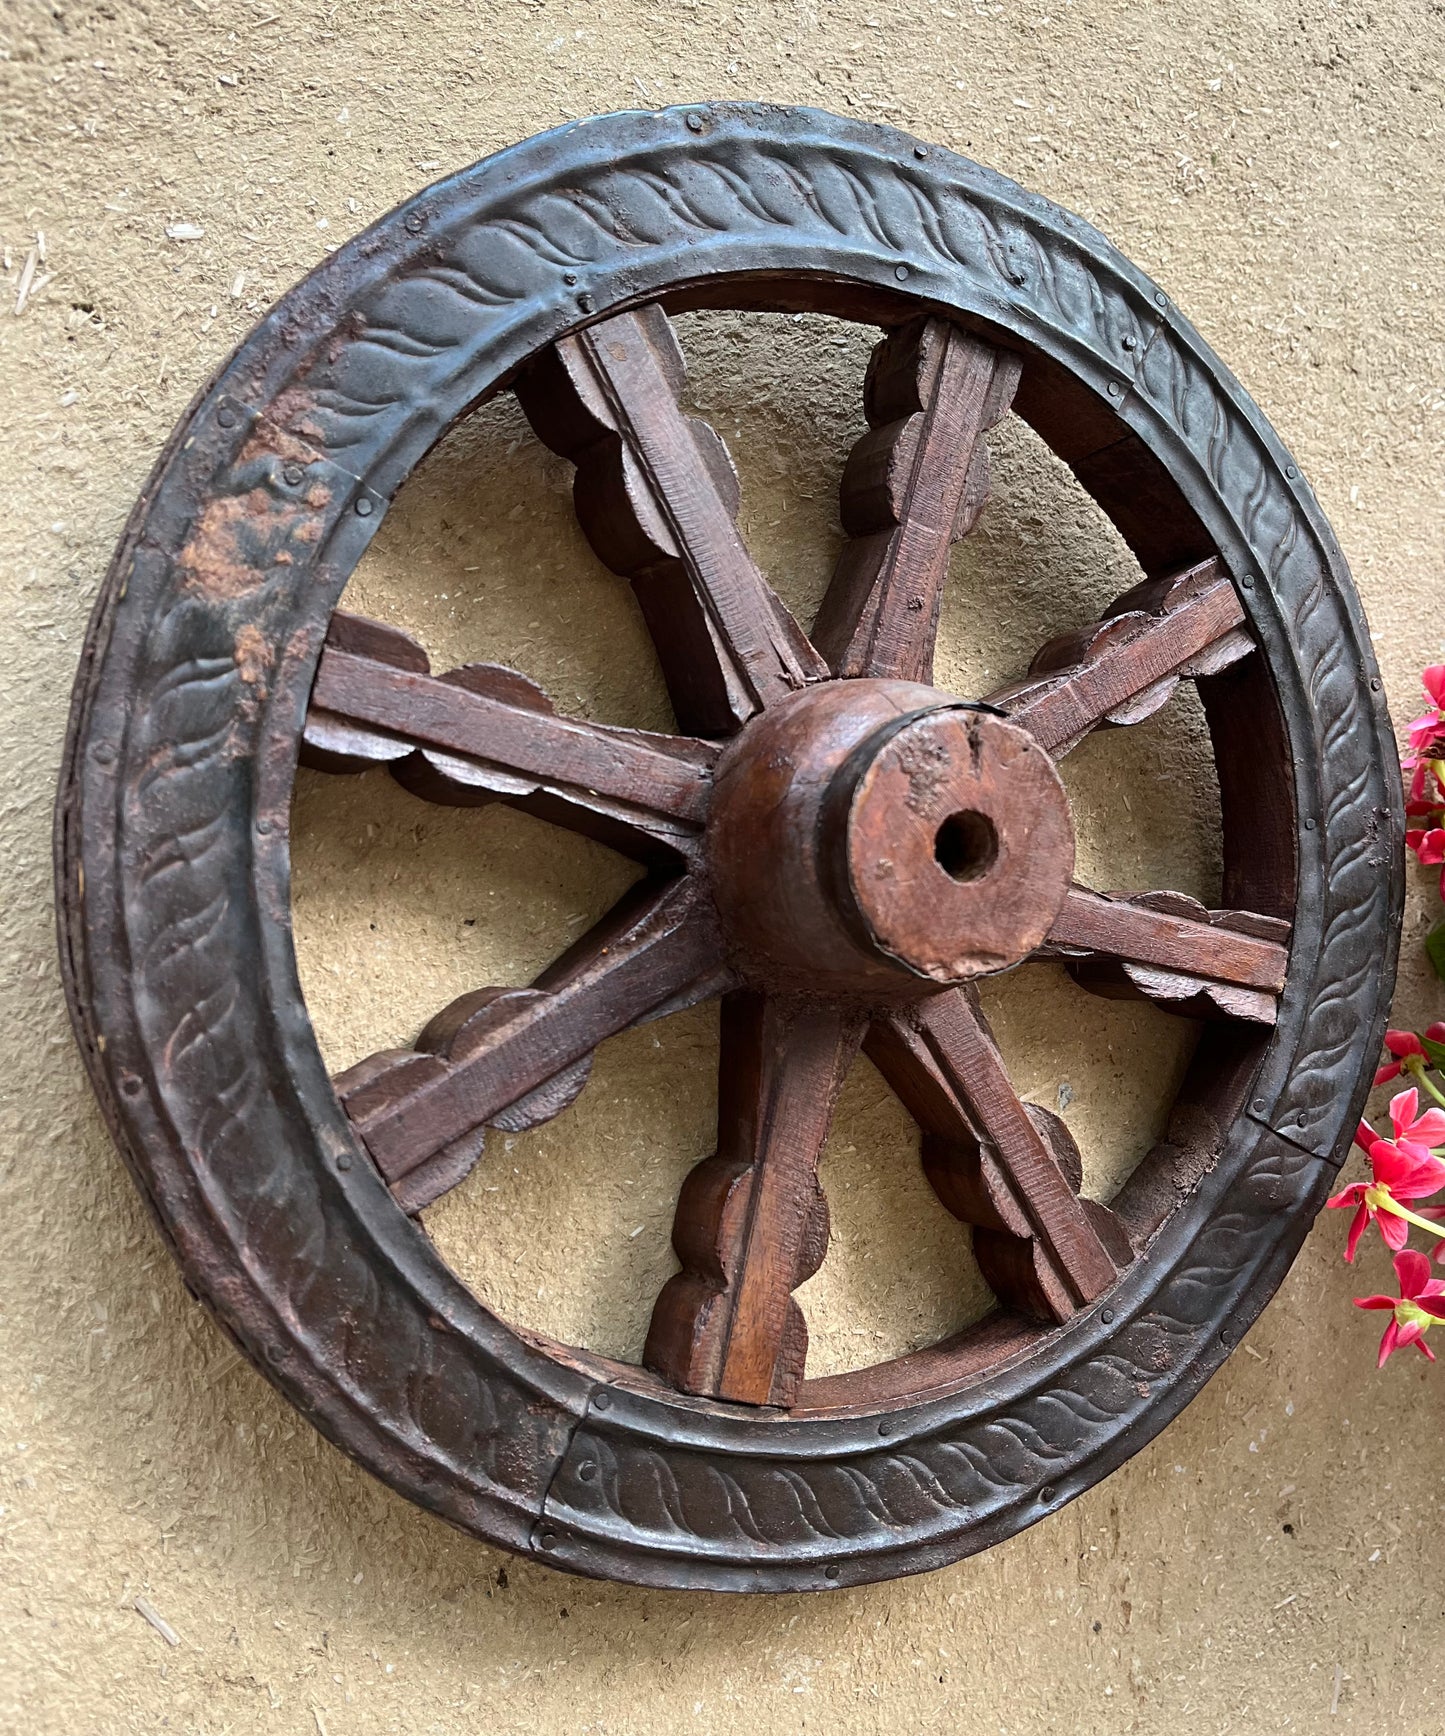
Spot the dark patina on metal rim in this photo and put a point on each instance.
(178, 775)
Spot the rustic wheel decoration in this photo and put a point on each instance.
(833, 845)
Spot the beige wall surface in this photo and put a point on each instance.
(1272, 1562)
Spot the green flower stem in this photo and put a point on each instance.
(1424, 1078)
(1384, 1201)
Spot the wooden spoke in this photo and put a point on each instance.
(1166, 947)
(1009, 1168)
(914, 484)
(657, 495)
(420, 1111)
(1122, 669)
(752, 1221)
(483, 733)
(1224, 946)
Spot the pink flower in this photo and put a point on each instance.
(1414, 1311)
(1427, 792)
(1400, 1044)
(1414, 1132)
(1401, 1169)
(1405, 1046)
(1425, 728)
(1429, 846)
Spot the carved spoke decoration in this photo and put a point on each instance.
(842, 850)
(1123, 668)
(831, 844)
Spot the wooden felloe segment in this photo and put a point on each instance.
(752, 1222)
(914, 484)
(657, 495)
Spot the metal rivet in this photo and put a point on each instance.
(1107, 1316)
(885, 1427)
(1309, 825)
(263, 826)
(363, 507)
(920, 151)
(413, 223)
(343, 1161)
(694, 123)
(1115, 388)
(569, 277)
(103, 753)
(586, 303)
(587, 1470)
(131, 1085)
(1131, 342)
(549, 1539)
(602, 1400)
(1161, 298)
(1291, 471)
(1048, 1492)
(832, 1572)
(1224, 1336)
(276, 1353)
(1376, 684)
(1248, 581)
(1301, 1118)
(226, 418)
(1259, 1106)
(901, 273)
(293, 474)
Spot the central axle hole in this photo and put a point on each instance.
(966, 845)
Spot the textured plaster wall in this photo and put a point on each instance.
(1261, 1566)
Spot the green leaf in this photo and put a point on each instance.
(1434, 1052)
(1435, 947)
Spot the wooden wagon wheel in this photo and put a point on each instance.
(833, 845)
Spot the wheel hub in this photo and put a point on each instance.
(879, 838)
